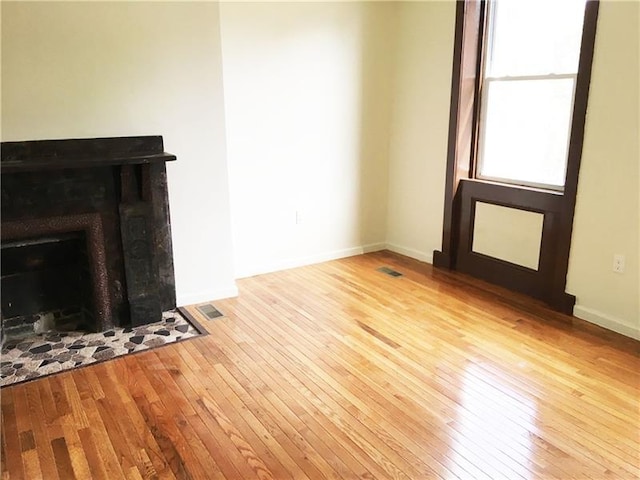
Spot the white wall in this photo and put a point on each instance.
(419, 129)
(307, 106)
(72, 69)
(607, 219)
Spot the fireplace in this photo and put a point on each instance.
(46, 285)
(86, 240)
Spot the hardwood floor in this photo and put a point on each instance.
(339, 371)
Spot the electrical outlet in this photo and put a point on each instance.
(298, 217)
(618, 263)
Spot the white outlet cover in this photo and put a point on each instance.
(618, 263)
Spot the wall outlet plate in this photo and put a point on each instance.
(618, 263)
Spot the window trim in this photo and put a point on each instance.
(469, 42)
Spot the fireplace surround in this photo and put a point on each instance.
(85, 233)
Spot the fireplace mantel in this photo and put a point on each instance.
(82, 153)
(120, 184)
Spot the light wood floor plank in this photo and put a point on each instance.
(390, 375)
(356, 361)
(287, 352)
(338, 371)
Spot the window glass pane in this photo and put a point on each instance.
(525, 130)
(535, 37)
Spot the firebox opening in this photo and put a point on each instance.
(46, 285)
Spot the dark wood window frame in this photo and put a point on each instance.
(463, 191)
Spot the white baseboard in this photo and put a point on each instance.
(410, 252)
(374, 247)
(310, 260)
(606, 321)
(193, 298)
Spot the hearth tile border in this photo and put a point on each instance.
(93, 347)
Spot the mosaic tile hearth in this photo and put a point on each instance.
(41, 355)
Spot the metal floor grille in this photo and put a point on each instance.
(389, 271)
(210, 311)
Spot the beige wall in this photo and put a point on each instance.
(419, 128)
(607, 211)
(494, 235)
(73, 69)
(307, 98)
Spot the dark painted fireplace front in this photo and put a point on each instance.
(86, 240)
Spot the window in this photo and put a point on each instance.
(527, 91)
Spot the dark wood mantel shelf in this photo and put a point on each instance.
(82, 153)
